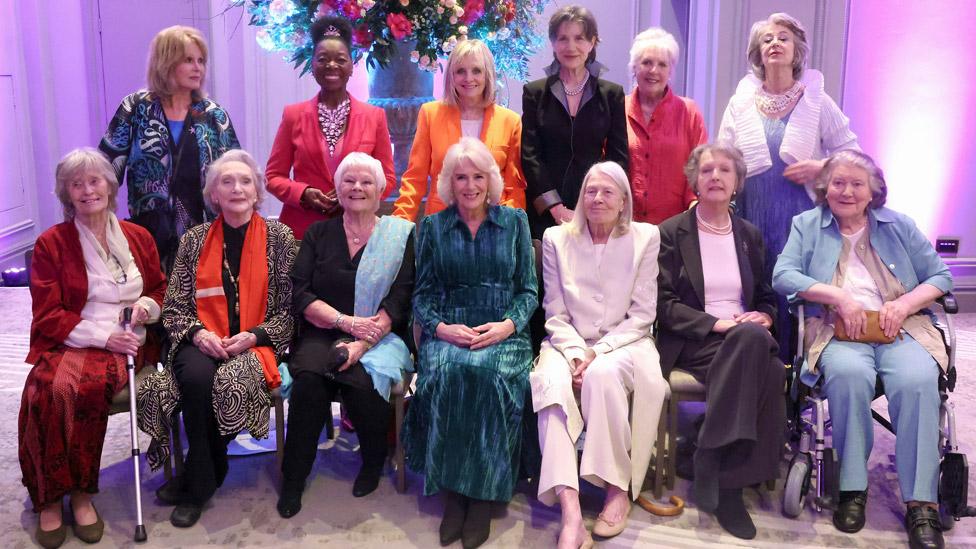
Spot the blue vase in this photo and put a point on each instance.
(400, 89)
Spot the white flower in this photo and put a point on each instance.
(504, 33)
(463, 29)
(458, 11)
(263, 38)
(440, 10)
(448, 3)
(414, 56)
(453, 20)
(490, 35)
(424, 60)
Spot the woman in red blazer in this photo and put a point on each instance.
(83, 273)
(315, 135)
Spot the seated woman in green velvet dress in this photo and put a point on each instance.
(475, 291)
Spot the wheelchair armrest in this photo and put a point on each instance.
(948, 303)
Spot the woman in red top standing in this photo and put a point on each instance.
(662, 130)
(315, 135)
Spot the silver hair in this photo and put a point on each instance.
(850, 157)
(800, 50)
(216, 168)
(654, 38)
(476, 152)
(613, 172)
(82, 161)
(362, 161)
(693, 166)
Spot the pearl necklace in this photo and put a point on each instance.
(772, 104)
(357, 239)
(577, 90)
(723, 230)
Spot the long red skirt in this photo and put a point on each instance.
(63, 417)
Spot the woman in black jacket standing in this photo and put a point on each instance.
(571, 120)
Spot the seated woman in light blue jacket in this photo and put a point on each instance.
(847, 257)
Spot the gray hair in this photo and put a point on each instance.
(693, 166)
(654, 38)
(857, 159)
(612, 171)
(476, 152)
(800, 50)
(216, 168)
(81, 161)
(362, 161)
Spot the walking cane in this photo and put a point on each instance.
(130, 367)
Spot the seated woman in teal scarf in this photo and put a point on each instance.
(476, 289)
(353, 281)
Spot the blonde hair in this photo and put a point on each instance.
(217, 167)
(83, 161)
(800, 49)
(613, 172)
(476, 152)
(470, 49)
(167, 50)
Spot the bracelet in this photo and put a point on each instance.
(338, 318)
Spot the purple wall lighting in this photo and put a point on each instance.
(910, 91)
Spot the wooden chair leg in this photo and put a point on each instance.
(399, 459)
(660, 448)
(672, 440)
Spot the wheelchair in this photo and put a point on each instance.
(814, 471)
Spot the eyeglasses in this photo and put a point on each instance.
(124, 278)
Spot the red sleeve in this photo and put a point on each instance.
(697, 135)
(52, 318)
(280, 164)
(384, 152)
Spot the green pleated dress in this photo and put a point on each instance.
(464, 425)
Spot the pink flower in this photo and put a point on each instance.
(473, 10)
(350, 10)
(400, 26)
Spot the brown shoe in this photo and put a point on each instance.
(91, 533)
(51, 539)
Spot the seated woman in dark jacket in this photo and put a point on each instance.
(714, 310)
(353, 284)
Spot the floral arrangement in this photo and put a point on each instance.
(508, 27)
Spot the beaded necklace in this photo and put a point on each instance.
(772, 104)
(233, 281)
(332, 122)
(579, 89)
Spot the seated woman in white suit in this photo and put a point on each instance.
(600, 273)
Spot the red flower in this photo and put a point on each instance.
(400, 26)
(362, 37)
(351, 9)
(510, 13)
(473, 10)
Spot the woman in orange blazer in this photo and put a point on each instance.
(315, 135)
(467, 110)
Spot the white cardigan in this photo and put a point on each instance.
(816, 129)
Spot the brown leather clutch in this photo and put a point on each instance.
(874, 333)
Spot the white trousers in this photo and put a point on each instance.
(608, 384)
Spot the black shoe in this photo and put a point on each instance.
(185, 515)
(172, 492)
(366, 481)
(924, 528)
(290, 500)
(455, 509)
(477, 524)
(849, 516)
(732, 514)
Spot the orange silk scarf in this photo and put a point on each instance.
(252, 283)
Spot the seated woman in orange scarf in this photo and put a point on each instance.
(84, 272)
(228, 316)
(467, 110)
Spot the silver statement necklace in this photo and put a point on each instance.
(332, 122)
(578, 89)
(772, 104)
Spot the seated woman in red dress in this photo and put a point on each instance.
(84, 272)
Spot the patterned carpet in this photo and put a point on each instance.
(242, 514)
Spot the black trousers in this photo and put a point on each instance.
(746, 411)
(309, 407)
(206, 457)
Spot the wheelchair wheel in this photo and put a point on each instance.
(797, 484)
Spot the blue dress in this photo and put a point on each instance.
(464, 425)
(769, 201)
